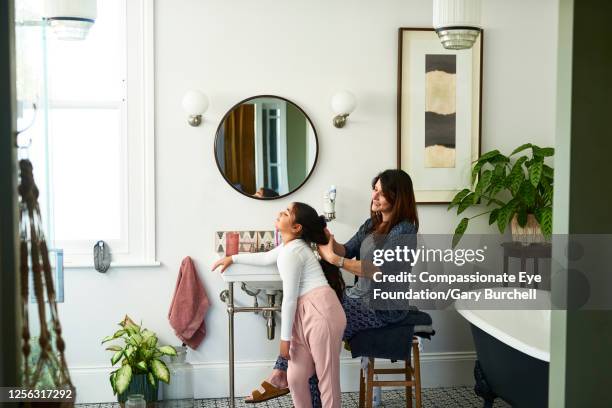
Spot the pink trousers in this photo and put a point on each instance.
(316, 342)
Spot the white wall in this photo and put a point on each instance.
(224, 48)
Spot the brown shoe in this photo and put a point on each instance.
(270, 392)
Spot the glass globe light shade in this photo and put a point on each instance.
(343, 102)
(195, 102)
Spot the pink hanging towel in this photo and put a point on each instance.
(189, 305)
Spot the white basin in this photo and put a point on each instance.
(256, 277)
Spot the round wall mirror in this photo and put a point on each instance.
(266, 147)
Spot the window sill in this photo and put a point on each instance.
(139, 264)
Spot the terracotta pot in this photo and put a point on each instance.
(528, 234)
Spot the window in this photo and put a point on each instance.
(97, 155)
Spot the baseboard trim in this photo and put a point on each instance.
(445, 369)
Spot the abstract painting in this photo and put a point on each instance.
(440, 110)
(439, 104)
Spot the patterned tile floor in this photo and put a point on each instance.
(455, 397)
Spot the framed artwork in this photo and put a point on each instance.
(438, 113)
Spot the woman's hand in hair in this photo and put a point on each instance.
(284, 349)
(327, 251)
(224, 263)
(338, 248)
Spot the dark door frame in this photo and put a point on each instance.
(9, 289)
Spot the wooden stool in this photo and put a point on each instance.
(412, 378)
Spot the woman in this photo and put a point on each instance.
(393, 220)
(313, 320)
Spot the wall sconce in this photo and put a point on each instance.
(70, 19)
(457, 22)
(195, 104)
(343, 103)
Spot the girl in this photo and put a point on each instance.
(313, 320)
(393, 219)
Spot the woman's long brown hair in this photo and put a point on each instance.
(398, 191)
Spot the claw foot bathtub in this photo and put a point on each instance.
(513, 350)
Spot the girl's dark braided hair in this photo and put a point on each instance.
(313, 231)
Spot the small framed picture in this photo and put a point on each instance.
(439, 119)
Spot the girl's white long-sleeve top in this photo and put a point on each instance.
(300, 271)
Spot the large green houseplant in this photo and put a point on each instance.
(510, 187)
(140, 367)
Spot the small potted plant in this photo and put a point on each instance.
(140, 368)
(514, 190)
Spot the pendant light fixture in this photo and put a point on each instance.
(70, 19)
(457, 22)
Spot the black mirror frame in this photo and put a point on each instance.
(314, 164)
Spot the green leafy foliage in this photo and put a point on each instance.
(493, 216)
(123, 376)
(112, 381)
(460, 230)
(457, 199)
(167, 350)
(521, 148)
(466, 202)
(116, 357)
(485, 180)
(160, 371)
(151, 379)
(511, 186)
(139, 354)
(535, 172)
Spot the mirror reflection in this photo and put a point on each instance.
(266, 147)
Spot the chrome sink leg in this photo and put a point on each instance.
(270, 320)
(230, 313)
(227, 296)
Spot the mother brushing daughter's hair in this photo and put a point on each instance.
(313, 320)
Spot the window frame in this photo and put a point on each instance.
(138, 138)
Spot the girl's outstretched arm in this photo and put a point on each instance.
(257, 259)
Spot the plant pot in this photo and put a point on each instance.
(529, 234)
(140, 385)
